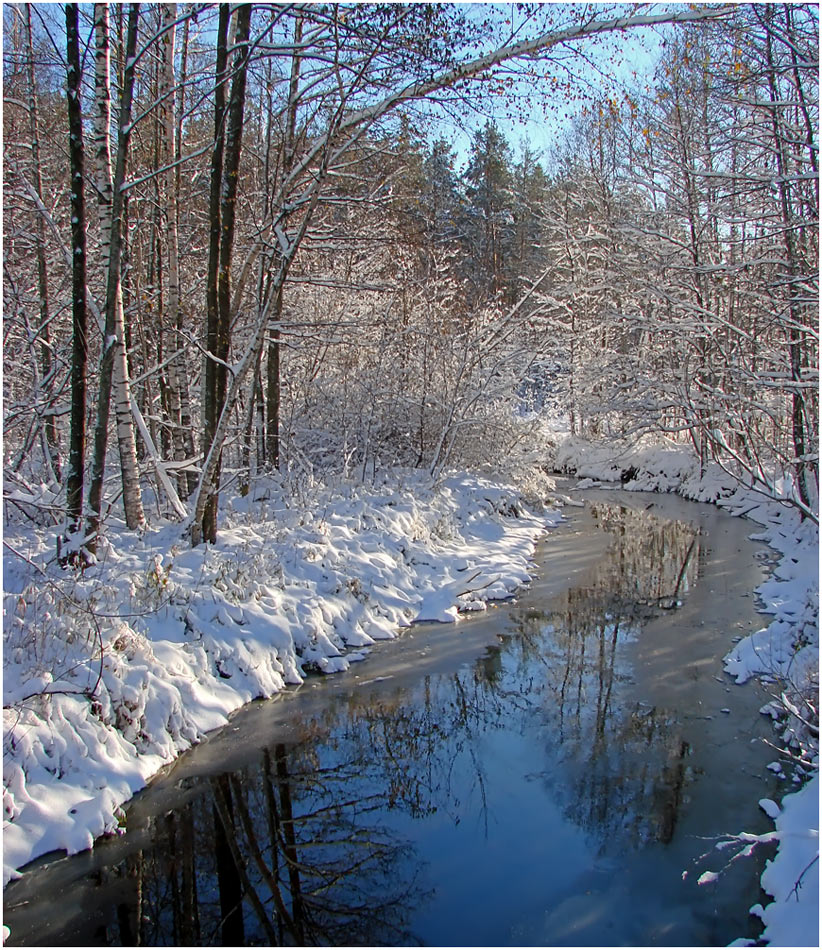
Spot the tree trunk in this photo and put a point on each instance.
(170, 219)
(79, 356)
(113, 368)
(274, 388)
(224, 180)
(290, 844)
(191, 916)
(186, 419)
(44, 331)
(211, 410)
(228, 873)
(272, 440)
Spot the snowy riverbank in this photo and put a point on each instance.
(113, 672)
(784, 653)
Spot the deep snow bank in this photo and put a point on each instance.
(786, 651)
(110, 673)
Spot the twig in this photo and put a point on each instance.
(798, 884)
(23, 557)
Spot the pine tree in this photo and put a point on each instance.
(490, 220)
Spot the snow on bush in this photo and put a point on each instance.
(113, 671)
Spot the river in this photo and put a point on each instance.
(553, 772)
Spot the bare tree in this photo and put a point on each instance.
(113, 367)
(74, 475)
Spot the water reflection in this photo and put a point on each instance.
(289, 852)
(342, 836)
(624, 763)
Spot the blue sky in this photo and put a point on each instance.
(596, 68)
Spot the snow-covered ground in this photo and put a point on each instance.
(784, 653)
(112, 672)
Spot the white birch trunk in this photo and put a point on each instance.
(121, 390)
(168, 151)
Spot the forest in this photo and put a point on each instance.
(276, 262)
(306, 305)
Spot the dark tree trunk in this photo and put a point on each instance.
(224, 179)
(211, 411)
(79, 356)
(290, 843)
(228, 874)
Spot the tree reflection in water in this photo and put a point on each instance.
(289, 853)
(315, 842)
(295, 852)
(624, 764)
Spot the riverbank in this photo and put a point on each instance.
(579, 720)
(783, 654)
(112, 672)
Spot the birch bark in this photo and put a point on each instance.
(113, 366)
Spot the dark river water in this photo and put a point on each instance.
(554, 772)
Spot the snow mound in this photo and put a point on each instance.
(792, 878)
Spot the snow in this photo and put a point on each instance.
(792, 879)
(785, 651)
(306, 584)
(190, 635)
(770, 807)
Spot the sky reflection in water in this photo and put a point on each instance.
(531, 796)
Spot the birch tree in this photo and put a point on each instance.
(113, 365)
